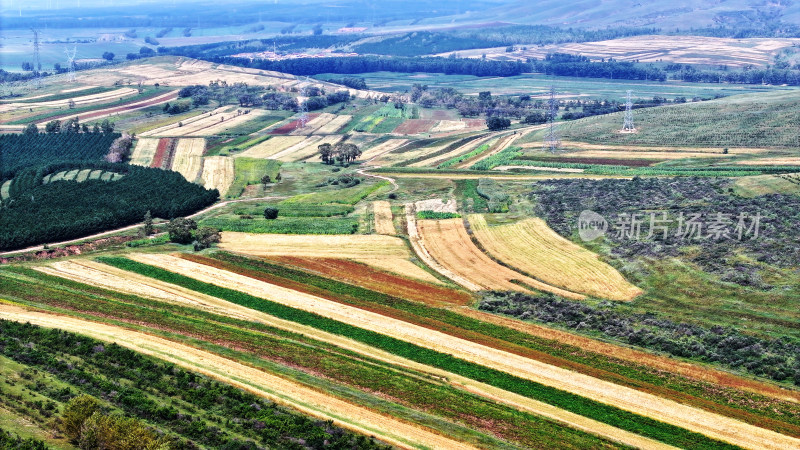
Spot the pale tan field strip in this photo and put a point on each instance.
(144, 152)
(309, 150)
(334, 125)
(217, 123)
(99, 114)
(382, 212)
(188, 159)
(710, 424)
(314, 124)
(283, 391)
(466, 148)
(448, 242)
(109, 277)
(218, 173)
(380, 149)
(383, 252)
(82, 100)
(636, 149)
(775, 161)
(271, 147)
(499, 176)
(287, 154)
(164, 131)
(534, 248)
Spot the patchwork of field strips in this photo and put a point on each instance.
(384, 147)
(133, 105)
(449, 244)
(275, 388)
(382, 213)
(629, 409)
(79, 101)
(415, 126)
(314, 124)
(217, 123)
(293, 126)
(334, 125)
(171, 128)
(307, 149)
(218, 173)
(532, 247)
(383, 252)
(188, 159)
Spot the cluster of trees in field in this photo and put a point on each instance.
(19, 151)
(186, 408)
(317, 100)
(342, 153)
(561, 201)
(351, 82)
(38, 213)
(772, 358)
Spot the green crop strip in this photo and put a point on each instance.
(635, 423)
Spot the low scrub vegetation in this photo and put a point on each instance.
(772, 358)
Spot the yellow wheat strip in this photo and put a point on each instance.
(218, 173)
(668, 411)
(382, 213)
(273, 387)
(188, 159)
(271, 147)
(144, 152)
(534, 248)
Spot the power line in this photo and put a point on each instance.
(71, 63)
(36, 61)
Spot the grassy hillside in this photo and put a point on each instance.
(751, 120)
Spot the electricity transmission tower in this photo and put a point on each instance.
(37, 63)
(628, 126)
(71, 63)
(551, 140)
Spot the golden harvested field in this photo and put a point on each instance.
(271, 147)
(449, 244)
(298, 396)
(534, 248)
(144, 152)
(383, 252)
(180, 123)
(307, 149)
(382, 212)
(334, 125)
(218, 173)
(188, 159)
(668, 411)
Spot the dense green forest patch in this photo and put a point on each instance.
(65, 210)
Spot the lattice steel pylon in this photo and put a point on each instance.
(628, 123)
(71, 63)
(37, 63)
(552, 141)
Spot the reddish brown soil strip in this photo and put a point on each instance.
(499, 344)
(606, 161)
(169, 155)
(293, 125)
(365, 276)
(636, 356)
(414, 126)
(164, 145)
(475, 123)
